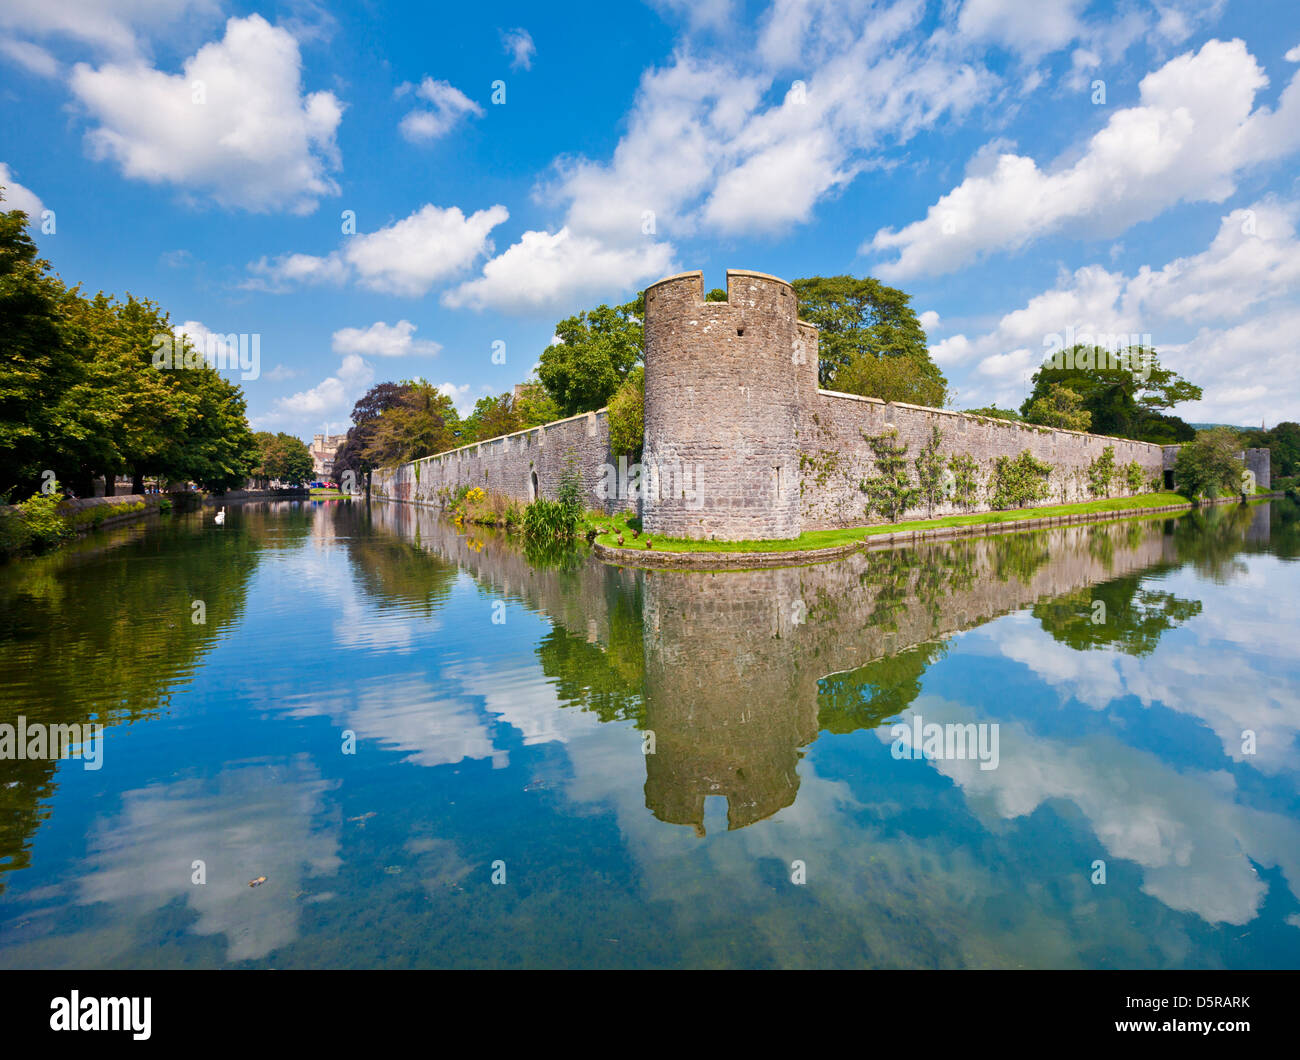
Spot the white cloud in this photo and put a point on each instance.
(112, 26)
(384, 340)
(519, 46)
(217, 345)
(698, 13)
(929, 320)
(406, 258)
(17, 197)
(1030, 29)
(461, 396)
(330, 399)
(1193, 132)
(256, 143)
(432, 244)
(1253, 258)
(291, 270)
(448, 106)
(545, 271)
(1293, 56)
(704, 149)
(1242, 290)
(31, 57)
(1189, 832)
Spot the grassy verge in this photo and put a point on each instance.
(815, 539)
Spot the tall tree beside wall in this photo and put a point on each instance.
(1208, 465)
(593, 354)
(81, 396)
(422, 422)
(1283, 444)
(350, 458)
(282, 456)
(1059, 407)
(864, 328)
(1130, 402)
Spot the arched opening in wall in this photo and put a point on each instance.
(532, 485)
(1169, 478)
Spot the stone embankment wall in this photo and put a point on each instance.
(741, 444)
(524, 465)
(836, 457)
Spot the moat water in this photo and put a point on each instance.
(440, 751)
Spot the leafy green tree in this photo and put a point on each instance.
(1283, 444)
(869, 696)
(903, 379)
(859, 318)
(718, 294)
(80, 394)
(1019, 481)
(995, 413)
(220, 450)
(39, 367)
(627, 415)
(421, 423)
(350, 456)
(535, 406)
(1120, 401)
(1135, 616)
(1059, 406)
(930, 467)
(282, 456)
(890, 493)
(491, 418)
(594, 353)
(1135, 477)
(965, 479)
(1101, 472)
(1208, 465)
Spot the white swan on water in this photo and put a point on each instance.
(221, 517)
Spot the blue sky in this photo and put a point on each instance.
(1021, 169)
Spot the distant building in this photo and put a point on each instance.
(322, 449)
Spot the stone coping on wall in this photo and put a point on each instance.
(596, 413)
(1034, 427)
(648, 559)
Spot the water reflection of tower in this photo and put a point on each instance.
(728, 710)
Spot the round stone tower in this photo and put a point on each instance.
(725, 383)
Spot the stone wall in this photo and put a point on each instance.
(835, 457)
(741, 444)
(524, 465)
